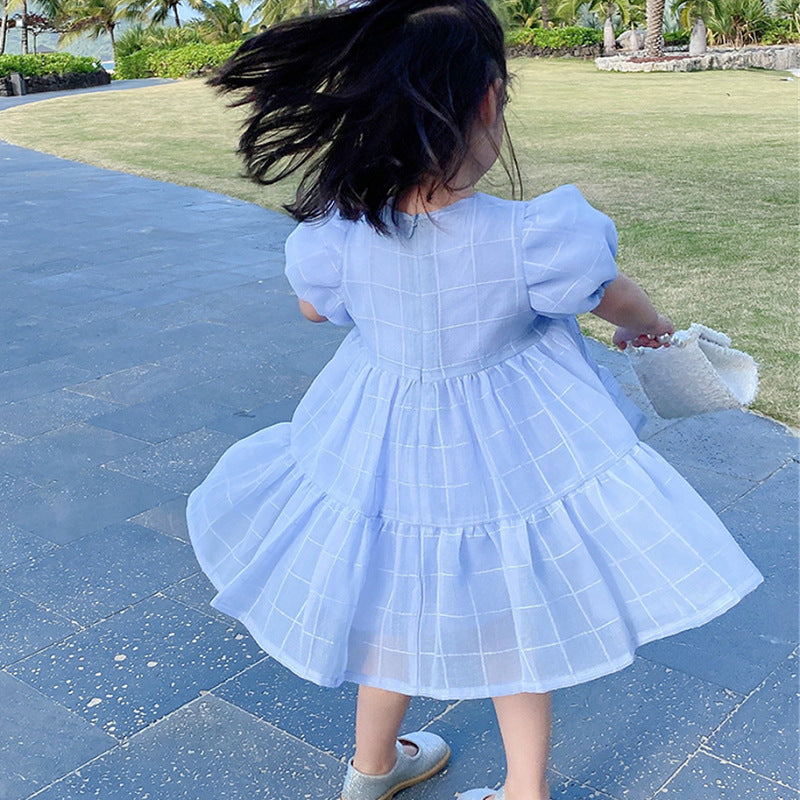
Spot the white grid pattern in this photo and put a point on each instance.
(459, 508)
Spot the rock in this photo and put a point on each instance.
(631, 41)
(698, 43)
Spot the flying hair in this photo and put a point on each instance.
(366, 101)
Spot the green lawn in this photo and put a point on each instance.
(698, 170)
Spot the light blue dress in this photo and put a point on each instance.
(460, 506)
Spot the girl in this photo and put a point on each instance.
(460, 506)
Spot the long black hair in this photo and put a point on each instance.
(368, 100)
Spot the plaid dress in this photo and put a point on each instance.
(460, 506)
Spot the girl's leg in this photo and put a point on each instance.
(379, 714)
(525, 721)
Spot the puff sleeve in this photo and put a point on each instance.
(568, 252)
(314, 254)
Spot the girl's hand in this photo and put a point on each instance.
(649, 338)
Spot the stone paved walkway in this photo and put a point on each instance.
(145, 327)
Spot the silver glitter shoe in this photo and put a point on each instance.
(432, 754)
(482, 794)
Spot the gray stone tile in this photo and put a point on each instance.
(20, 547)
(135, 385)
(164, 417)
(718, 489)
(599, 729)
(765, 523)
(178, 464)
(41, 740)
(245, 389)
(762, 734)
(136, 667)
(708, 778)
(62, 513)
(273, 693)
(243, 423)
(102, 573)
(60, 455)
(36, 379)
(705, 441)
(47, 412)
(168, 518)
(196, 591)
(206, 749)
(27, 627)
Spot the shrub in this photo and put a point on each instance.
(175, 63)
(155, 37)
(553, 38)
(737, 22)
(36, 65)
(677, 38)
(780, 31)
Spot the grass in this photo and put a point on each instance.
(698, 170)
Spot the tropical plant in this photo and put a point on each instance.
(789, 10)
(5, 23)
(223, 22)
(96, 17)
(155, 37)
(268, 12)
(737, 22)
(159, 11)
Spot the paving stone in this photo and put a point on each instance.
(762, 734)
(60, 455)
(168, 518)
(40, 740)
(273, 693)
(708, 778)
(136, 667)
(245, 389)
(27, 627)
(243, 423)
(62, 513)
(178, 464)
(196, 591)
(103, 572)
(762, 445)
(135, 385)
(718, 489)
(36, 379)
(20, 547)
(164, 417)
(206, 749)
(599, 729)
(47, 412)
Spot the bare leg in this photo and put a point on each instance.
(525, 721)
(379, 715)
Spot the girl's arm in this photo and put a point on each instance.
(626, 305)
(309, 312)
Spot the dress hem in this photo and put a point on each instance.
(482, 692)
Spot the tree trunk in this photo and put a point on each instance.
(4, 28)
(609, 40)
(699, 39)
(177, 19)
(24, 31)
(110, 29)
(654, 40)
(545, 15)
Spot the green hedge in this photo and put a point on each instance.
(677, 38)
(47, 64)
(174, 63)
(553, 38)
(781, 31)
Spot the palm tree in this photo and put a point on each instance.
(5, 24)
(654, 38)
(223, 22)
(159, 10)
(96, 17)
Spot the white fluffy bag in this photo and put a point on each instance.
(697, 373)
